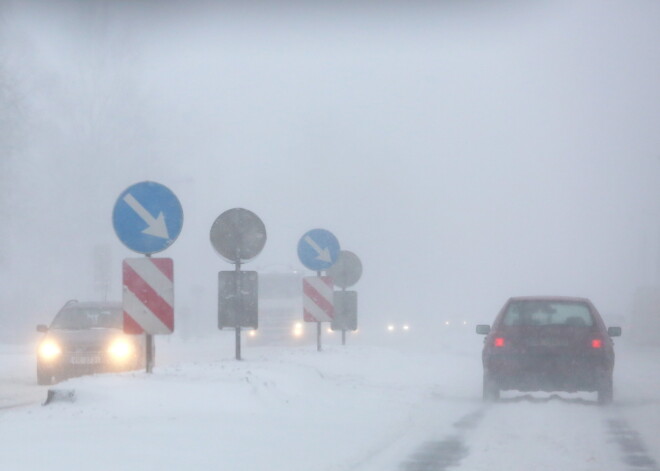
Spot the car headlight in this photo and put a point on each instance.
(121, 349)
(49, 350)
(297, 329)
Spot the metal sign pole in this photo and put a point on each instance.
(318, 327)
(343, 329)
(346, 272)
(150, 353)
(136, 206)
(238, 235)
(238, 343)
(318, 249)
(240, 298)
(149, 345)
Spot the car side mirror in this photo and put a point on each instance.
(483, 329)
(42, 328)
(614, 331)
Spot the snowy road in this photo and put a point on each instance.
(354, 408)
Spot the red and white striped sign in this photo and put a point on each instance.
(148, 298)
(318, 295)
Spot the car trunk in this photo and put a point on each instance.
(549, 339)
(549, 357)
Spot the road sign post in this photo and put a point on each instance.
(238, 235)
(318, 250)
(147, 218)
(345, 272)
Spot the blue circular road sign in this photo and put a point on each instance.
(147, 217)
(318, 249)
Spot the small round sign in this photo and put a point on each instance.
(346, 271)
(238, 235)
(318, 249)
(147, 217)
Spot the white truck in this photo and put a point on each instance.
(280, 311)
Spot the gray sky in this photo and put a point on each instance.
(465, 153)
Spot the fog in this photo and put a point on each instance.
(465, 152)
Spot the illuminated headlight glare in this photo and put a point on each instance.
(297, 329)
(406, 327)
(120, 349)
(49, 350)
(252, 333)
(390, 328)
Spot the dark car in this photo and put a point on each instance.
(85, 338)
(548, 344)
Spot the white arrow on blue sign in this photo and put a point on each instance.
(318, 249)
(147, 217)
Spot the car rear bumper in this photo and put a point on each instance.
(547, 372)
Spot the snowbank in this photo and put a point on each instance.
(280, 409)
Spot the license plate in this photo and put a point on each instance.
(549, 342)
(85, 359)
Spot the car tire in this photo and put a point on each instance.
(491, 390)
(606, 391)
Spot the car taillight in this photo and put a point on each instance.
(499, 342)
(596, 343)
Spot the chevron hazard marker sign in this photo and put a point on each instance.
(148, 295)
(318, 299)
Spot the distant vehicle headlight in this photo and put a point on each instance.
(121, 349)
(298, 329)
(406, 327)
(252, 333)
(49, 350)
(390, 328)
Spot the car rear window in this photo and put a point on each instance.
(533, 312)
(76, 318)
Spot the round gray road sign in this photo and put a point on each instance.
(238, 235)
(346, 271)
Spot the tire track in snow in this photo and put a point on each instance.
(630, 442)
(542, 432)
(442, 454)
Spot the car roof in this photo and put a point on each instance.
(96, 304)
(550, 298)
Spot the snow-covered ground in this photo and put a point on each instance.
(362, 407)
